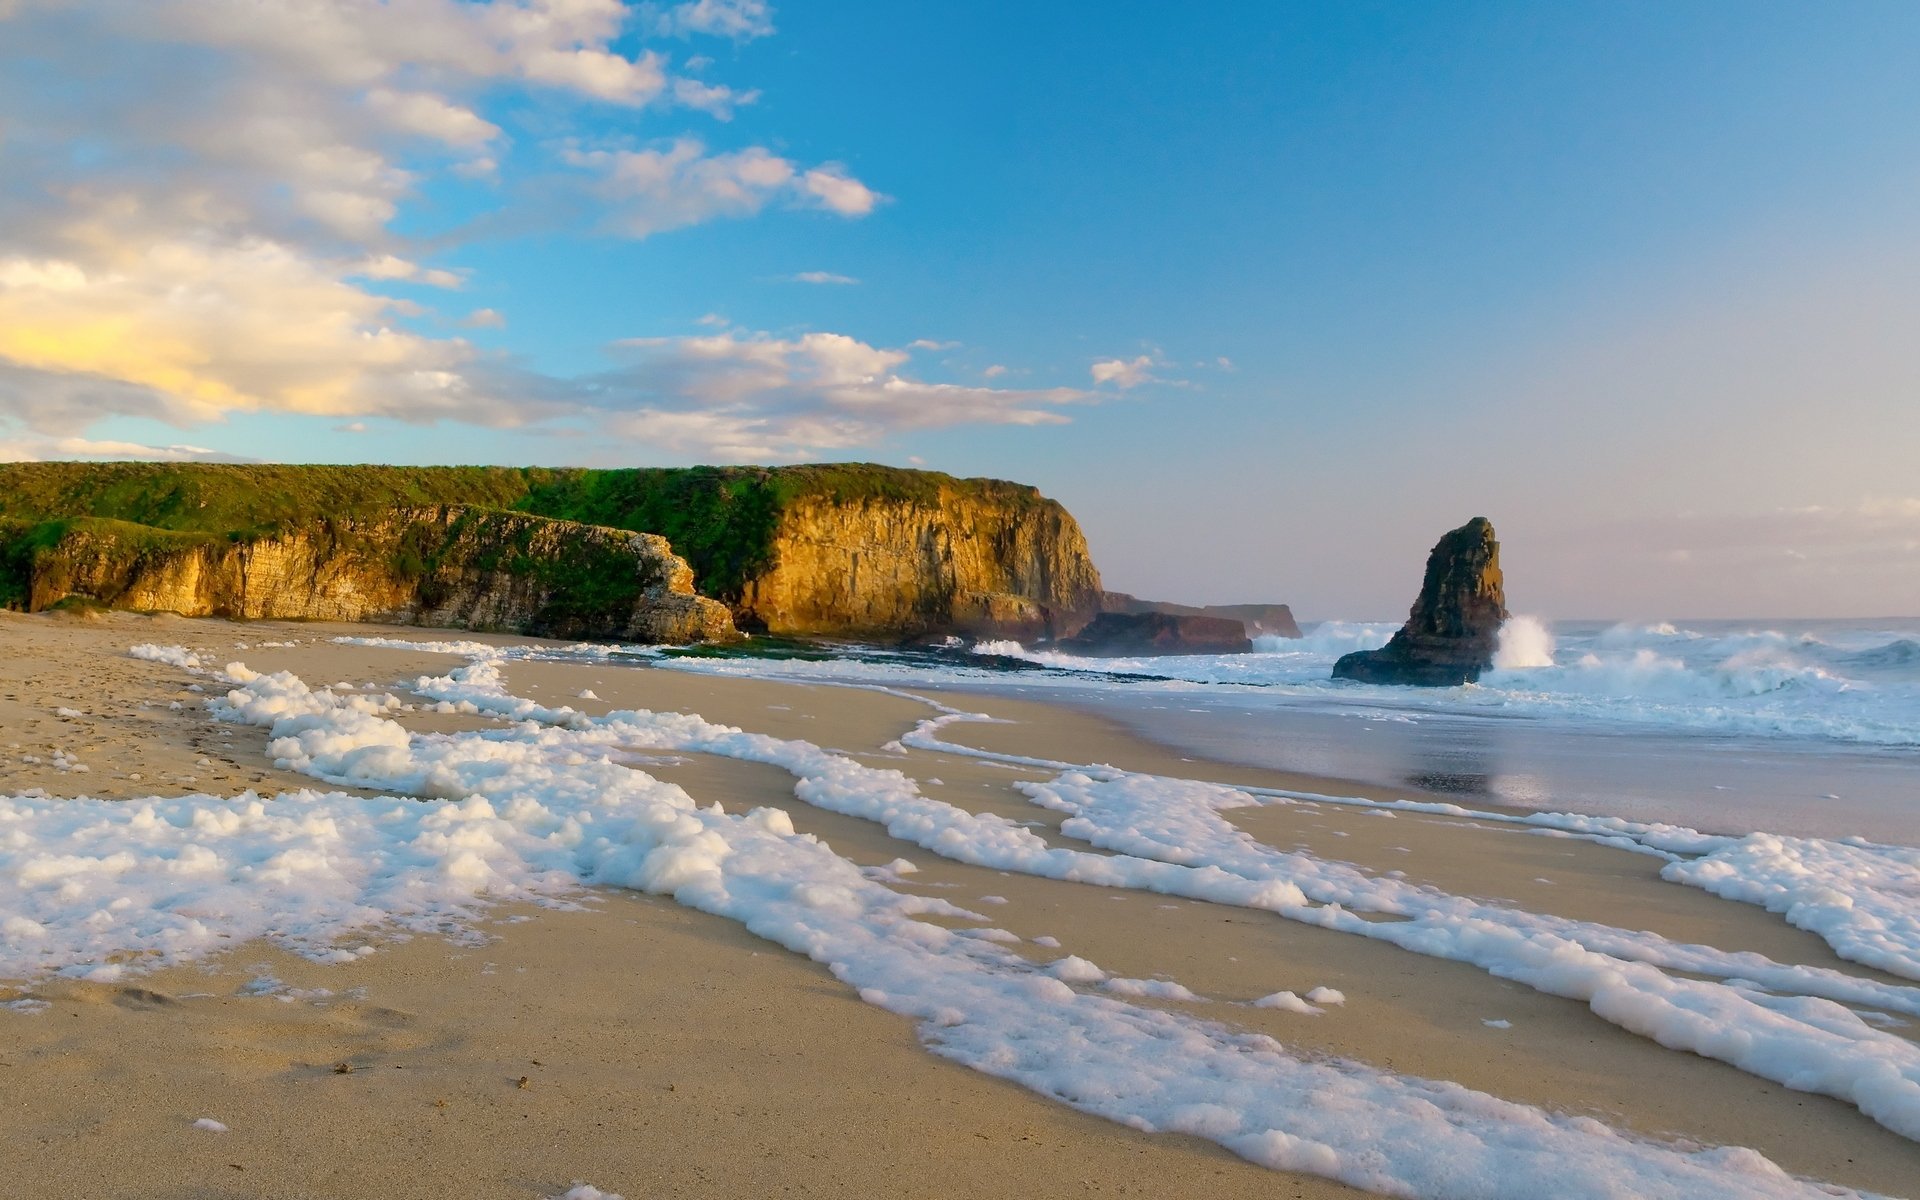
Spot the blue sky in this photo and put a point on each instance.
(1269, 294)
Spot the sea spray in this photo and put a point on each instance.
(1524, 642)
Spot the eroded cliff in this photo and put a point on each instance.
(833, 549)
(964, 562)
(447, 565)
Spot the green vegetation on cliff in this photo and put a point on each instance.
(722, 520)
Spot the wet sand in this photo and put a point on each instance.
(669, 1052)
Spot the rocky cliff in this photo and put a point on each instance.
(836, 549)
(1454, 628)
(448, 565)
(962, 562)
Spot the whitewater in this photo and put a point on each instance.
(546, 799)
(1799, 727)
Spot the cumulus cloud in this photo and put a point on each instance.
(222, 243)
(757, 396)
(821, 277)
(1124, 373)
(738, 19)
(661, 188)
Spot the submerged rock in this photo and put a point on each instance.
(1454, 628)
(1126, 635)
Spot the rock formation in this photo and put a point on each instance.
(450, 566)
(1129, 635)
(1272, 620)
(1454, 628)
(827, 549)
(964, 563)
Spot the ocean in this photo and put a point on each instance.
(1795, 727)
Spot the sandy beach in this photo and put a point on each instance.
(647, 1048)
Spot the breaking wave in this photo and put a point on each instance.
(1841, 681)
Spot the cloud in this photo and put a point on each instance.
(393, 267)
(649, 191)
(42, 449)
(931, 344)
(993, 372)
(200, 206)
(737, 19)
(207, 329)
(822, 277)
(1124, 373)
(713, 99)
(748, 397)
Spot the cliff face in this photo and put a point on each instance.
(964, 562)
(1454, 628)
(839, 549)
(444, 566)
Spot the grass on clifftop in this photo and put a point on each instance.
(722, 520)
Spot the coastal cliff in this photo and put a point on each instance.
(852, 549)
(451, 566)
(834, 549)
(967, 563)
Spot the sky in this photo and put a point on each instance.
(1270, 294)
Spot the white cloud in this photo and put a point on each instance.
(1124, 373)
(44, 449)
(207, 329)
(931, 344)
(757, 396)
(714, 99)
(393, 267)
(433, 117)
(993, 372)
(215, 249)
(821, 277)
(738, 19)
(648, 191)
(836, 191)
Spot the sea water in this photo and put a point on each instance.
(1797, 727)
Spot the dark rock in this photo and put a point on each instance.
(1126, 635)
(1454, 628)
(1270, 619)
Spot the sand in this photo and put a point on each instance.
(668, 1052)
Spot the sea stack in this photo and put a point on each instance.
(1454, 628)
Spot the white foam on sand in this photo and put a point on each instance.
(542, 805)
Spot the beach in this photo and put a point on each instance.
(584, 1033)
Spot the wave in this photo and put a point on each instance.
(1837, 682)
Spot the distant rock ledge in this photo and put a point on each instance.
(1130, 635)
(1270, 620)
(1454, 628)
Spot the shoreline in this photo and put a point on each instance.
(1410, 1013)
